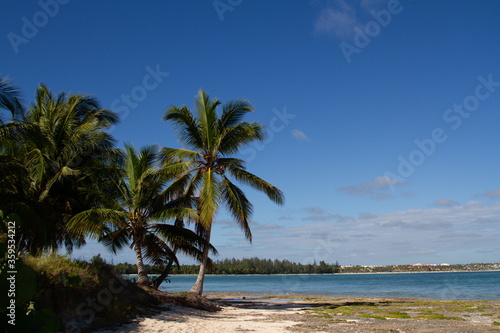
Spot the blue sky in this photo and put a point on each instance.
(382, 116)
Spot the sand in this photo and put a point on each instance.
(230, 319)
(271, 314)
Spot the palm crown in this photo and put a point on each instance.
(213, 139)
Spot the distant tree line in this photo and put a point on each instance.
(269, 266)
(242, 266)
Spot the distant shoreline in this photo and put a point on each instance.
(406, 272)
(273, 267)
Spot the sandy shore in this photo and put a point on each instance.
(282, 314)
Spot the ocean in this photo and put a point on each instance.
(446, 285)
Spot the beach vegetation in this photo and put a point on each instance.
(432, 314)
(54, 154)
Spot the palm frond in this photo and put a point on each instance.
(257, 183)
(94, 222)
(10, 98)
(172, 154)
(239, 206)
(238, 136)
(115, 240)
(207, 117)
(233, 112)
(185, 125)
(156, 251)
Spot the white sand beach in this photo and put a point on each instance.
(230, 319)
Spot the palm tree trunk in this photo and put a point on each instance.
(142, 276)
(198, 285)
(159, 280)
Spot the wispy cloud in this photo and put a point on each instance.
(374, 189)
(327, 217)
(338, 18)
(315, 210)
(445, 203)
(334, 22)
(320, 214)
(493, 194)
(299, 135)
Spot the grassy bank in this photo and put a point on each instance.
(77, 296)
(85, 295)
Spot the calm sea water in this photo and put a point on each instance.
(450, 285)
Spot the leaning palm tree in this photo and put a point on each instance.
(137, 212)
(210, 141)
(50, 158)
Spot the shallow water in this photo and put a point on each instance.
(449, 285)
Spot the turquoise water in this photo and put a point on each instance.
(450, 285)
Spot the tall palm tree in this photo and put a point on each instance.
(142, 202)
(210, 140)
(56, 152)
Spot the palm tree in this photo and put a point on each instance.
(50, 160)
(209, 141)
(142, 202)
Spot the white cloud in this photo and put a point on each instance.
(299, 135)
